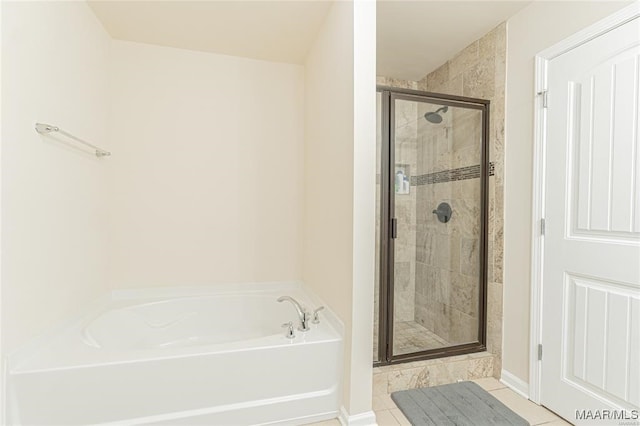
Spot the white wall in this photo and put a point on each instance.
(206, 176)
(53, 195)
(364, 204)
(534, 28)
(339, 178)
(3, 411)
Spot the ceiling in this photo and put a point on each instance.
(280, 31)
(416, 37)
(413, 37)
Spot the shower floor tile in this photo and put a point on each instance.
(410, 336)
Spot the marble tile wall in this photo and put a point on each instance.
(406, 131)
(405, 213)
(447, 277)
(479, 71)
(433, 372)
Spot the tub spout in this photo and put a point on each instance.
(302, 314)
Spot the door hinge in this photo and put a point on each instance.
(540, 352)
(545, 98)
(394, 227)
(542, 226)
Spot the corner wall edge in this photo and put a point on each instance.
(515, 383)
(368, 418)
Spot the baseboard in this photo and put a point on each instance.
(515, 383)
(362, 419)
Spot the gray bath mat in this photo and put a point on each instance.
(459, 404)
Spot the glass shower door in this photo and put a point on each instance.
(432, 277)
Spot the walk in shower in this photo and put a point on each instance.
(431, 225)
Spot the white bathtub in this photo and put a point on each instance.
(216, 356)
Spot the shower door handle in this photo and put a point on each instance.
(394, 227)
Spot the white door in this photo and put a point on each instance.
(591, 270)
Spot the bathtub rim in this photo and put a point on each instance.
(20, 356)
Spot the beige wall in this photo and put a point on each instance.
(339, 182)
(206, 174)
(534, 28)
(54, 195)
(210, 159)
(328, 172)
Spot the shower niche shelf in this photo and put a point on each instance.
(402, 180)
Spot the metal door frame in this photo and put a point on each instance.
(387, 216)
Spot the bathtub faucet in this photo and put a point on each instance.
(303, 315)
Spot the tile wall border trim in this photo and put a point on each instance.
(462, 173)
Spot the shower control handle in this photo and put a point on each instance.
(443, 212)
(290, 333)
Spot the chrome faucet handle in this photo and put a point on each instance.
(306, 319)
(316, 317)
(290, 334)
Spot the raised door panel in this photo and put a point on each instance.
(602, 132)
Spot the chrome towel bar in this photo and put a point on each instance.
(44, 129)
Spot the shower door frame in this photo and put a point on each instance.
(387, 218)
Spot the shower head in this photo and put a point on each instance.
(435, 117)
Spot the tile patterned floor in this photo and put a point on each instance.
(388, 414)
(410, 336)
